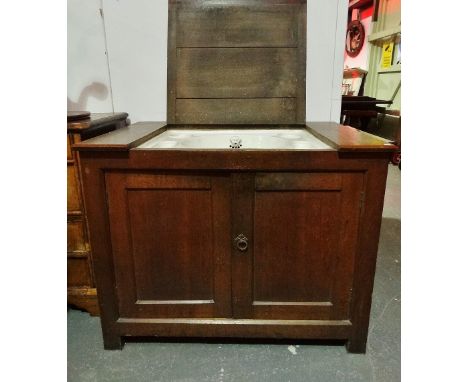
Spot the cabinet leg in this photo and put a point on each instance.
(357, 346)
(112, 342)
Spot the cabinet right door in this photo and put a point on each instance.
(303, 236)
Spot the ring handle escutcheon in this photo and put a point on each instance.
(241, 242)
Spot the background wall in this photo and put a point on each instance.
(117, 55)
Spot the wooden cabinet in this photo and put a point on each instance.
(171, 241)
(80, 280)
(265, 243)
(235, 243)
(175, 248)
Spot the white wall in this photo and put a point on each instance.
(326, 31)
(88, 78)
(137, 43)
(136, 36)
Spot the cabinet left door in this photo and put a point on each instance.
(171, 244)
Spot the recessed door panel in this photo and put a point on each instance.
(178, 237)
(304, 238)
(292, 260)
(171, 243)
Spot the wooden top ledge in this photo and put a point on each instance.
(347, 138)
(339, 137)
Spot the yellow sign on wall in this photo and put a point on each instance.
(387, 55)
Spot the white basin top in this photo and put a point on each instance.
(235, 139)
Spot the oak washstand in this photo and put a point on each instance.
(250, 241)
(236, 218)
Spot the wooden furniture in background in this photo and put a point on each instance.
(357, 111)
(80, 280)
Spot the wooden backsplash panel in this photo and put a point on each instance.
(236, 111)
(236, 72)
(236, 61)
(237, 26)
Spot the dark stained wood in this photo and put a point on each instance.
(237, 26)
(299, 269)
(237, 111)
(207, 3)
(347, 138)
(241, 211)
(174, 259)
(298, 182)
(96, 120)
(342, 138)
(301, 53)
(364, 268)
(166, 226)
(78, 274)
(124, 138)
(241, 62)
(77, 115)
(236, 73)
(81, 290)
(289, 204)
(95, 198)
(277, 329)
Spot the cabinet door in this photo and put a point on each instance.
(302, 231)
(171, 244)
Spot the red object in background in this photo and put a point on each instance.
(367, 12)
(355, 38)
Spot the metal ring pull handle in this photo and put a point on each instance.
(241, 242)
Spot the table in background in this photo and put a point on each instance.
(357, 111)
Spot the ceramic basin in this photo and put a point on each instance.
(235, 139)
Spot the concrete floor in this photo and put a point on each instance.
(223, 362)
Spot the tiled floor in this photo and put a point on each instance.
(223, 362)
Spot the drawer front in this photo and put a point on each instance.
(78, 272)
(73, 191)
(69, 151)
(76, 239)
